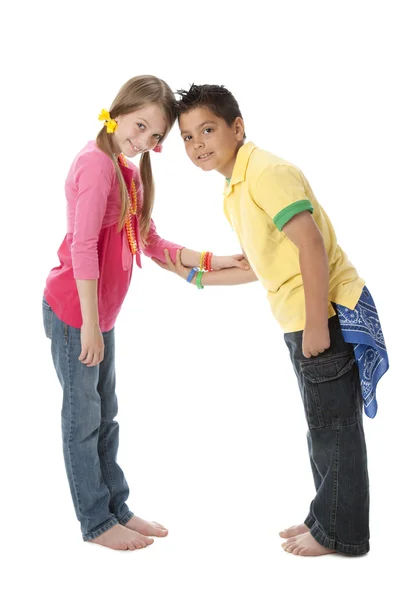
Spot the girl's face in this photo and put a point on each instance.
(140, 131)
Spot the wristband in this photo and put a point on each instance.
(198, 280)
(191, 274)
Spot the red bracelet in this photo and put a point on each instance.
(208, 261)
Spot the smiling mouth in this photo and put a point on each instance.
(136, 149)
(203, 156)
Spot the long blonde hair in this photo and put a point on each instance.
(135, 93)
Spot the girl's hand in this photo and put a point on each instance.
(92, 345)
(316, 340)
(176, 267)
(225, 262)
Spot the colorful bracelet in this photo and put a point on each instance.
(198, 280)
(205, 261)
(191, 274)
(202, 257)
(208, 261)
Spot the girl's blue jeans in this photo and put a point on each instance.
(89, 430)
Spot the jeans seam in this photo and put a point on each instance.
(317, 404)
(104, 438)
(71, 424)
(335, 474)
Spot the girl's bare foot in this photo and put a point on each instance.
(121, 538)
(305, 545)
(293, 531)
(146, 527)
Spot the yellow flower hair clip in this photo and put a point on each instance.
(109, 122)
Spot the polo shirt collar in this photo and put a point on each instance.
(242, 160)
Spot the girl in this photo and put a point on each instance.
(109, 207)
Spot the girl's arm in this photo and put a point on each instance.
(230, 276)
(191, 258)
(87, 291)
(94, 175)
(156, 246)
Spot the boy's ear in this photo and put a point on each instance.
(238, 127)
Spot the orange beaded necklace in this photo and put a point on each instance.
(132, 210)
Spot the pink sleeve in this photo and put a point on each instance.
(155, 245)
(93, 178)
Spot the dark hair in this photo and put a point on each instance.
(215, 97)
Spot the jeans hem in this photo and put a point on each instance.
(348, 549)
(126, 518)
(309, 521)
(105, 527)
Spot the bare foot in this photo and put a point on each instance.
(146, 527)
(121, 538)
(305, 545)
(294, 530)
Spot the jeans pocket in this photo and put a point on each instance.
(47, 319)
(331, 390)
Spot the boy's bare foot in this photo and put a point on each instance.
(294, 530)
(121, 538)
(305, 545)
(146, 527)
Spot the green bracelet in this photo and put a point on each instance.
(198, 280)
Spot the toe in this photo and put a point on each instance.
(291, 539)
(290, 547)
(283, 534)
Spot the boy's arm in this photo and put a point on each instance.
(305, 235)
(230, 276)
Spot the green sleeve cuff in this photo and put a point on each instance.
(289, 212)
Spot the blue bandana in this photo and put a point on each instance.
(361, 327)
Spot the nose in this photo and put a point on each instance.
(198, 144)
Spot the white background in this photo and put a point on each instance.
(212, 428)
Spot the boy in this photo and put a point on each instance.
(314, 291)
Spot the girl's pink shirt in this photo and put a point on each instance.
(93, 248)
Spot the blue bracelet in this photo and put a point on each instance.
(192, 274)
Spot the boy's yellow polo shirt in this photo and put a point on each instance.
(264, 193)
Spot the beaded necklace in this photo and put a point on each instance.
(132, 210)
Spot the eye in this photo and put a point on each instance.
(208, 130)
(141, 126)
(158, 136)
(187, 138)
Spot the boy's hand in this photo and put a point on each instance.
(178, 268)
(226, 262)
(316, 340)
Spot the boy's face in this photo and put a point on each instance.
(210, 143)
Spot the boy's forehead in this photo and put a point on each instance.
(195, 118)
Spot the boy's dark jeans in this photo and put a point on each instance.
(331, 393)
